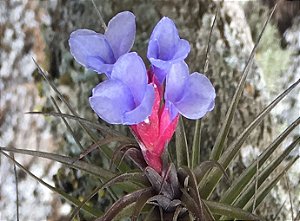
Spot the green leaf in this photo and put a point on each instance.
(197, 133)
(139, 205)
(119, 178)
(72, 200)
(229, 211)
(196, 144)
(68, 161)
(238, 186)
(61, 97)
(176, 213)
(182, 152)
(246, 195)
(102, 128)
(215, 175)
(122, 203)
(67, 125)
(190, 203)
(219, 144)
(264, 190)
(201, 170)
(193, 184)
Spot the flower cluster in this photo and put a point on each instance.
(149, 101)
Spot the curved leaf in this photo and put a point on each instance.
(219, 144)
(68, 161)
(84, 121)
(67, 197)
(250, 190)
(229, 211)
(205, 166)
(123, 202)
(116, 179)
(265, 189)
(238, 186)
(215, 175)
(182, 151)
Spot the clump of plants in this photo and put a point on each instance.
(149, 179)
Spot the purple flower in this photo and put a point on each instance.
(126, 98)
(166, 48)
(99, 52)
(190, 95)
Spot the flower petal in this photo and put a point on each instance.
(182, 50)
(141, 112)
(91, 50)
(120, 33)
(198, 97)
(131, 70)
(166, 34)
(110, 100)
(160, 74)
(175, 81)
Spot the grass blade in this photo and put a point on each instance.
(264, 190)
(68, 161)
(238, 186)
(67, 197)
(213, 178)
(249, 192)
(219, 144)
(230, 211)
(182, 152)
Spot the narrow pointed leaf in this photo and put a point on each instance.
(123, 202)
(229, 211)
(102, 128)
(264, 190)
(249, 192)
(182, 152)
(238, 186)
(67, 197)
(68, 161)
(215, 175)
(116, 179)
(61, 97)
(191, 205)
(139, 205)
(176, 213)
(219, 144)
(201, 170)
(196, 144)
(67, 125)
(197, 133)
(193, 184)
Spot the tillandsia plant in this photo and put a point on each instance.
(151, 102)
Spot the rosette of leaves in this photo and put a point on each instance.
(182, 187)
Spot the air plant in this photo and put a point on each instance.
(152, 102)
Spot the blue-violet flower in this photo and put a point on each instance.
(190, 95)
(99, 52)
(166, 48)
(126, 98)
